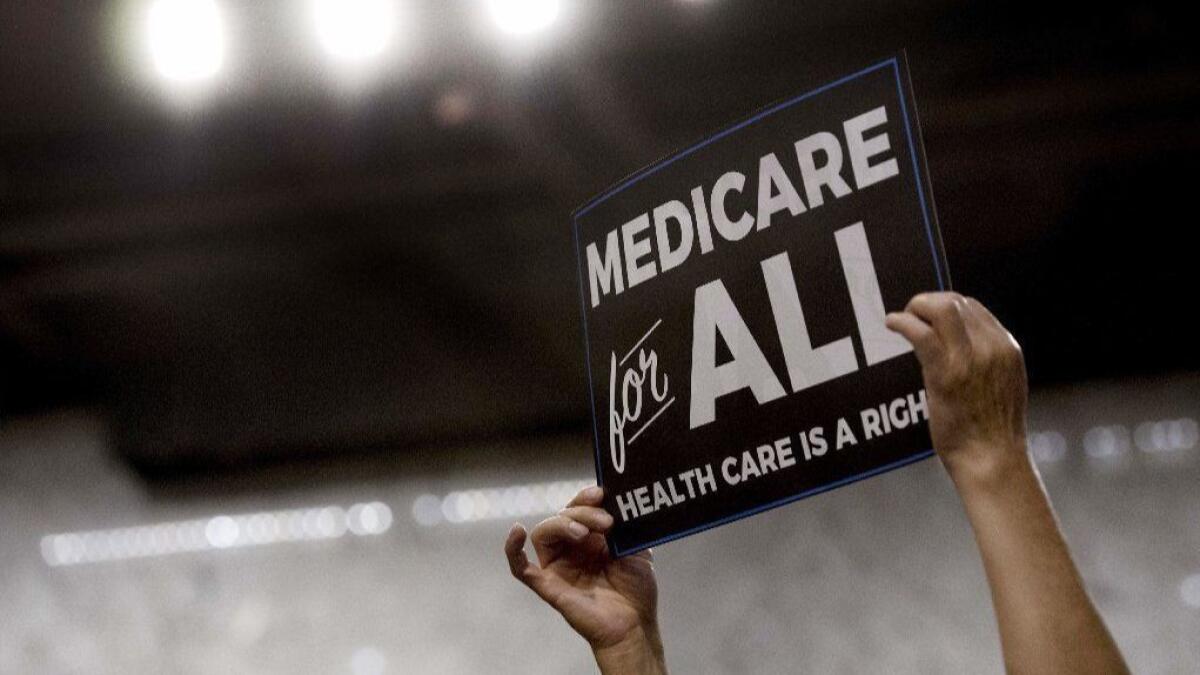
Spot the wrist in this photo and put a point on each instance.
(640, 653)
(989, 467)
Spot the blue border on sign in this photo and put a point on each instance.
(655, 168)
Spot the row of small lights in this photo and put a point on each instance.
(1162, 437)
(1101, 443)
(215, 533)
(225, 531)
(496, 503)
(374, 518)
(187, 42)
(1110, 445)
(1105, 445)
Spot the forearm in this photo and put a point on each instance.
(640, 654)
(1047, 622)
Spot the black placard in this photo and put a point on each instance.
(702, 277)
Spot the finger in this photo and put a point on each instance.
(518, 562)
(594, 517)
(595, 547)
(523, 570)
(984, 323)
(981, 310)
(943, 311)
(588, 496)
(980, 331)
(924, 340)
(550, 534)
(977, 319)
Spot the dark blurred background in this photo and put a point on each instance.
(284, 260)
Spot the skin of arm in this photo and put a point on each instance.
(975, 383)
(611, 602)
(976, 387)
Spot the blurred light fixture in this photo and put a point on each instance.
(186, 39)
(354, 31)
(523, 17)
(1047, 447)
(513, 501)
(1159, 436)
(1106, 442)
(215, 533)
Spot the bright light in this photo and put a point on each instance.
(216, 533)
(427, 510)
(513, 501)
(354, 30)
(1047, 447)
(1167, 435)
(222, 532)
(186, 39)
(522, 17)
(373, 518)
(1106, 442)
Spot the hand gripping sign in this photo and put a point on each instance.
(733, 306)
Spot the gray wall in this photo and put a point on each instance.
(880, 576)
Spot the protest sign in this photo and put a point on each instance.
(733, 301)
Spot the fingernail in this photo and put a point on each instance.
(592, 492)
(607, 519)
(578, 530)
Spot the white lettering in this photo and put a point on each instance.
(828, 175)
(716, 313)
(775, 191)
(731, 230)
(806, 366)
(605, 274)
(636, 249)
(879, 343)
(664, 213)
(863, 149)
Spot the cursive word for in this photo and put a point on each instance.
(625, 403)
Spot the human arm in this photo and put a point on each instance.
(976, 387)
(611, 602)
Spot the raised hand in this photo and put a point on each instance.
(974, 379)
(611, 602)
(975, 383)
